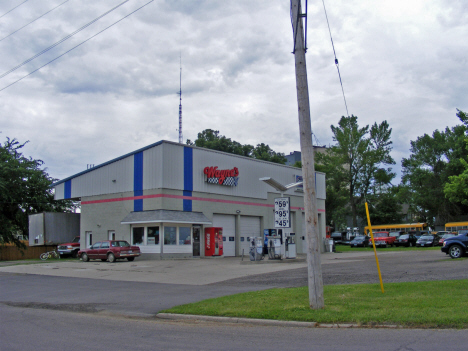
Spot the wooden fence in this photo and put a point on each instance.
(12, 253)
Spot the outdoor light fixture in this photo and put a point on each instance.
(277, 185)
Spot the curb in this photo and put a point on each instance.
(267, 322)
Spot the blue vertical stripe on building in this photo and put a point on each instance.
(67, 194)
(188, 177)
(138, 181)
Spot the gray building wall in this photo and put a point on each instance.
(108, 196)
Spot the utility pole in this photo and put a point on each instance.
(314, 267)
(180, 104)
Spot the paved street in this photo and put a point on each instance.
(26, 329)
(144, 288)
(77, 298)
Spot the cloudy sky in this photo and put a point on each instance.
(400, 61)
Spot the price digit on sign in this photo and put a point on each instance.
(282, 213)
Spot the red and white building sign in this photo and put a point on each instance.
(228, 177)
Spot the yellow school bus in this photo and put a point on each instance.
(405, 227)
(455, 227)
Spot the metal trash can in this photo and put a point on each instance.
(331, 244)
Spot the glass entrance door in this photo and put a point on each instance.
(196, 241)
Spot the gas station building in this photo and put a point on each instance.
(163, 197)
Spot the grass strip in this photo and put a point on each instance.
(437, 304)
(347, 248)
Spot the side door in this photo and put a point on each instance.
(102, 252)
(93, 251)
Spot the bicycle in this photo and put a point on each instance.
(51, 254)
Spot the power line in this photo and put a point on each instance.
(33, 20)
(336, 60)
(73, 48)
(61, 40)
(13, 9)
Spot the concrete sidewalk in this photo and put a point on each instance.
(200, 271)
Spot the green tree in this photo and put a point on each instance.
(433, 161)
(384, 207)
(211, 139)
(24, 190)
(263, 152)
(336, 202)
(356, 162)
(456, 189)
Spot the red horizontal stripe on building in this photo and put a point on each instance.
(193, 198)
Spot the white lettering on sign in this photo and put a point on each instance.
(229, 177)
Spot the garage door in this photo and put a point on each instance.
(228, 223)
(249, 227)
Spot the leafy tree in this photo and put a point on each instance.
(384, 207)
(263, 152)
(355, 163)
(336, 202)
(433, 161)
(456, 189)
(297, 164)
(24, 190)
(211, 139)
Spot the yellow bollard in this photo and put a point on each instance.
(373, 245)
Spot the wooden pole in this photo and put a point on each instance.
(316, 299)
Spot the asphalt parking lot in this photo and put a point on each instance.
(144, 288)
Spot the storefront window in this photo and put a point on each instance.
(153, 236)
(185, 236)
(170, 235)
(137, 236)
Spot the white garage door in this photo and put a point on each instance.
(249, 227)
(228, 223)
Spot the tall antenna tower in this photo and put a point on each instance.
(180, 104)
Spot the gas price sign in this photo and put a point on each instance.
(282, 213)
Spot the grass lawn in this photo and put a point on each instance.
(439, 304)
(347, 248)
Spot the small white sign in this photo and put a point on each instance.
(282, 213)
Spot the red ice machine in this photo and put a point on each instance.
(213, 241)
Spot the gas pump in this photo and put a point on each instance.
(274, 247)
(290, 246)
(256, 249)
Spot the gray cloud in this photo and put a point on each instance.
(403, 63)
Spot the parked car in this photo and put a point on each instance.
(69, 249)
(406, 240)
(337, 237)
(428, 240)
(416, 233)
(455, 246)
(110, 250)
(360, 240)
(382, 239)
(395, 234)
(446, 236)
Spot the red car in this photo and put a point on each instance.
(110, 250)
(382, 239)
